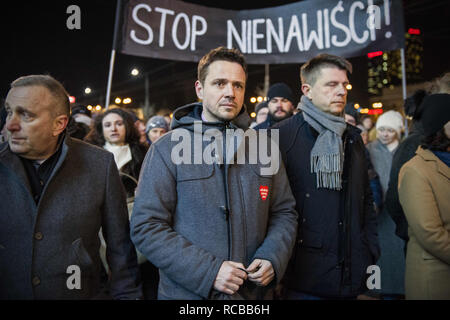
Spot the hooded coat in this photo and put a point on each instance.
(190, 218)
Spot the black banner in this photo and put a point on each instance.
(292, 33)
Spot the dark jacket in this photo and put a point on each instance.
(38, 242)
(337, 232)
(133, 168)
(266, 124)
(188, 218)
(405, 152)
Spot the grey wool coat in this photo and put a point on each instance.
(39, 242)
(392, 258)
(180, 222)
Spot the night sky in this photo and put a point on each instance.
(36, 40)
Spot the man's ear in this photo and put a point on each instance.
(306, 89)
(59, 124)
(199, 89)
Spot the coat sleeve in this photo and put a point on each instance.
(392, 203)
(282, 226)
(419, 204)
(120, 252)
(370, 226)
(152, 229)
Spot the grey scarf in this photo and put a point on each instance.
(327, 155)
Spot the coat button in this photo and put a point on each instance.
(36, 281)
(307, 195)
(300, 241)
(304, 220)
(340, 223)
(38, 236)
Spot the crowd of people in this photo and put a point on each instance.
(98, 206)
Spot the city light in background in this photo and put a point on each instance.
(135, 72)
(258, 99)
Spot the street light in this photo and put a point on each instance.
(377, 105)
(348, 86)
(126, 100)
(87, 90)
(118, 100)
(134, 72)
(252, 99)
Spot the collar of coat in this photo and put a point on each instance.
(427, 155)
(12, 161)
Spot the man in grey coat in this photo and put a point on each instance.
(57, 192)
(216, 228)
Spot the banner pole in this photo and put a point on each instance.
(113, 54)
(402, 57)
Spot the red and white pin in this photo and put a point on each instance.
(264, 192)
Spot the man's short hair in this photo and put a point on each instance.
(219, 54)
(309, 72)
(54, 86)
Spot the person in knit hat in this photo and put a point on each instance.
(424, 188)
(389, 124)
(281, 105)
(392, 260)
(156, 126)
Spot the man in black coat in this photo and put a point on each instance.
(327, 169)
(57, 193)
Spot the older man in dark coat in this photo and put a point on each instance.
(56, 194)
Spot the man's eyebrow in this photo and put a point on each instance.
(21, 109)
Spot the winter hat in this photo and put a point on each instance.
(156, 122)
(280, 89)
(436, 112)
(391, 119)
(260, 106)
(81, 109)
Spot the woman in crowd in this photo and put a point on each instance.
(114, 131)
(392, 260)
(424, 189)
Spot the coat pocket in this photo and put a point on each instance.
(311, 239)
(189, 172)
(82, 257)
(427, 256)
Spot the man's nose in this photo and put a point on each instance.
(342, 90)
(12, 124)
(229, 90)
